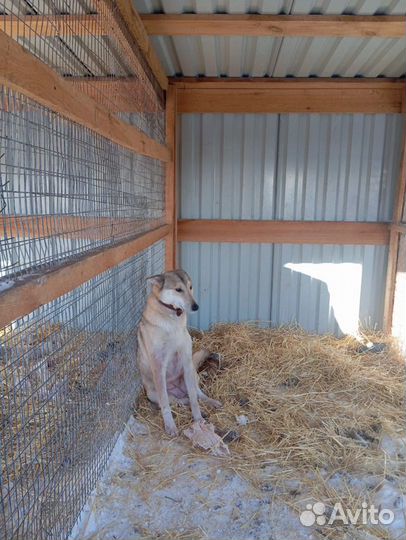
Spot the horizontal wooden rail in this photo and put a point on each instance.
(367, 96)
(33, 292)
(21, 71)
(14, 226)
(283, 232)
(275, 25)
(283, 83)
(121, 94)
(51, 25)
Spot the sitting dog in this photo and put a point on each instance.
(168, 369)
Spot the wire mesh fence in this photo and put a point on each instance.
(67, 370)
(65, 190)
(88, 43)
(67, 383)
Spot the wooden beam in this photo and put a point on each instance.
(393, 254)
(283, 83)
(283, 232)
(390, 281)
(82, 25)
(398, 326)
(137, 29)
(33, 292)
(46, 226)
(170, 185)
(291, 96)
(22, 72)
(50, 25)
(117, 29)
(400, 228)
(275, 25)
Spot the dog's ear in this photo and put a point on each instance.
(158, 279)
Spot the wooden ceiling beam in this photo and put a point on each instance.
(51, 26)
(275, 25)
(368, 96)
(106, 21)
(213, 24)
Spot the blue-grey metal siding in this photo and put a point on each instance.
(310, 167)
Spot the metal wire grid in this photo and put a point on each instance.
(93, 48)
(65, 190)
(68, 381)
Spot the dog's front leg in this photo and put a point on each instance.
(159, 375)
(189, 374)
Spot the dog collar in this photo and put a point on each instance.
(178, 311)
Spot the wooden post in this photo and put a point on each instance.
(395, 232)
(170, 186)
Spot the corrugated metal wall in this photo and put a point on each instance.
(311, 167)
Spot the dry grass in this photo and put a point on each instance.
(316, 408)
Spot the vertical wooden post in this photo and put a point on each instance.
(170, 186)
(394, 242)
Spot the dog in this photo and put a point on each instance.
(167, 367)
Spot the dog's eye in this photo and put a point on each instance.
(178, 289)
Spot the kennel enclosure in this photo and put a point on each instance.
(262, 152)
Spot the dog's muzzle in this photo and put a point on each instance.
(178, 311)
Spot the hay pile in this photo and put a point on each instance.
(316, 409)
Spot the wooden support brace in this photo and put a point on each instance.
(170, 186)
(136, 27)
(396, 230)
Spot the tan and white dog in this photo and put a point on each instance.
(168, 369)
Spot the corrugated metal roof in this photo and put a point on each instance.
(292, 7)
(237, 56)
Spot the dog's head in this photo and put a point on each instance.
(174, 289)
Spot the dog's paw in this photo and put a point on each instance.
(214, 403)
(171, 430)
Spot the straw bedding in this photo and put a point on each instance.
(318, 413)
